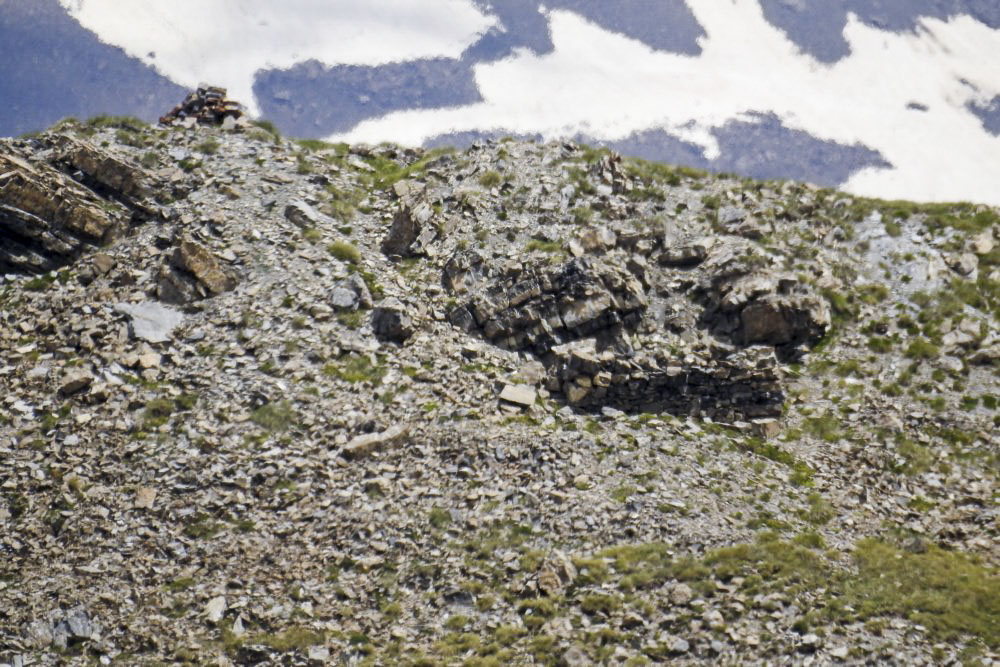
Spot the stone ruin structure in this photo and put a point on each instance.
(206, 105)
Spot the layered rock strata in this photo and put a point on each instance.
(576, 318)
(52, 210)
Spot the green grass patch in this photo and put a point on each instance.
(275, 416)
(292, 639)
(209, 147)
(156, 413)
(439, 518)
(543, 246)
(119, 122)
(268, 127)
(387, 172)
(315, 145)
(344, 251)
(40, 283)
(922, 349)
(949, 593)
(490, 179)
(355, 368)
(801, 472)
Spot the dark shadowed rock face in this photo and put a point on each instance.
(392, 321)
(46, 219)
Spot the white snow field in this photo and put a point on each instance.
(607, 86)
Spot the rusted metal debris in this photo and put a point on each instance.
(207, 105)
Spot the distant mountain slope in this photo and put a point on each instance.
(51, 67)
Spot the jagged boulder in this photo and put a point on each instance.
(351, 293)
(192, 272)
(301, 214)
(764, 307)
(736, 220)
(784, 320)
(463, 271)
(411, 232)
(687, 252)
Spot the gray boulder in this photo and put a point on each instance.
(391, 321)
(301, 214)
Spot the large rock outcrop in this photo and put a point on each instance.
(539, 308)
(746, 303)
(66, 199)
(105, 174)
(697, 331)
(46, 218)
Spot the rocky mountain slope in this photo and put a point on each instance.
(276, 402)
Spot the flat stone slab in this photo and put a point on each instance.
(521, 394)
(363, 445)
(151, 321)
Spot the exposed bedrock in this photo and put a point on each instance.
(66, 199)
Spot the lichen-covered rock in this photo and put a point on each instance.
(709, 317)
